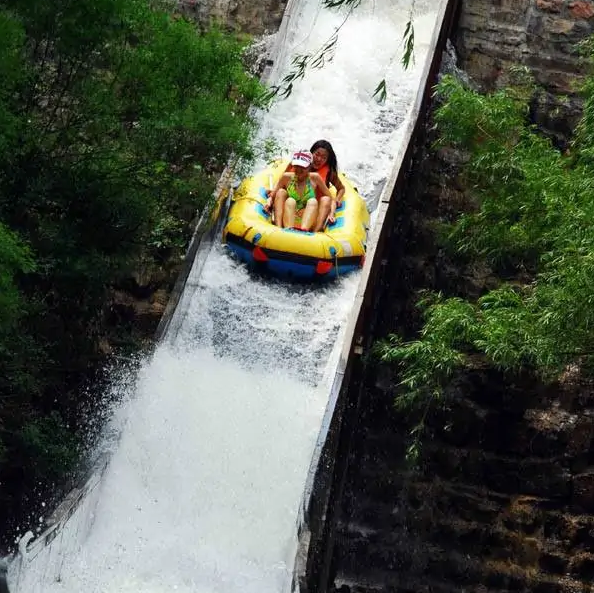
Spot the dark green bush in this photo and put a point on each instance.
(116, 119)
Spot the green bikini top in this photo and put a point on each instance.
(308, 193)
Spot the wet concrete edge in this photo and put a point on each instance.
(328, 468)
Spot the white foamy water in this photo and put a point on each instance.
(203, 490)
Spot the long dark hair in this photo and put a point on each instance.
(332, 162)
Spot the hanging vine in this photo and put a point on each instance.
(325, 54)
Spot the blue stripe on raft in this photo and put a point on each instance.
(341, 207)
(338, 223)
(287, 269)
(260, 210)
(262, 192)
(298, 231)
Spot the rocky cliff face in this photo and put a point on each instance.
(502, 500)
(503, 497)
(255, 17)
(542, 35)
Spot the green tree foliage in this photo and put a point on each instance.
(11, 44)
(115, 120)
(50, 445)
(533, 219)
(15, 258)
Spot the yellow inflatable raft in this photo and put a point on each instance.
(292, 253)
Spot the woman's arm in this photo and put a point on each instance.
(319, 182)
(282, 182)
(337, 183)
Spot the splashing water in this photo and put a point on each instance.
(203, 489)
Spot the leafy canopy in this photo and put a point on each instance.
(533, 216)
(115, 120)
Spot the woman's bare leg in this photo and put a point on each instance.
(279, 206)
(310, 214)
(289, 213)
(323, 211)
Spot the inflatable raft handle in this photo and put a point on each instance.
(270, 184)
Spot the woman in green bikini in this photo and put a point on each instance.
(294, 197)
